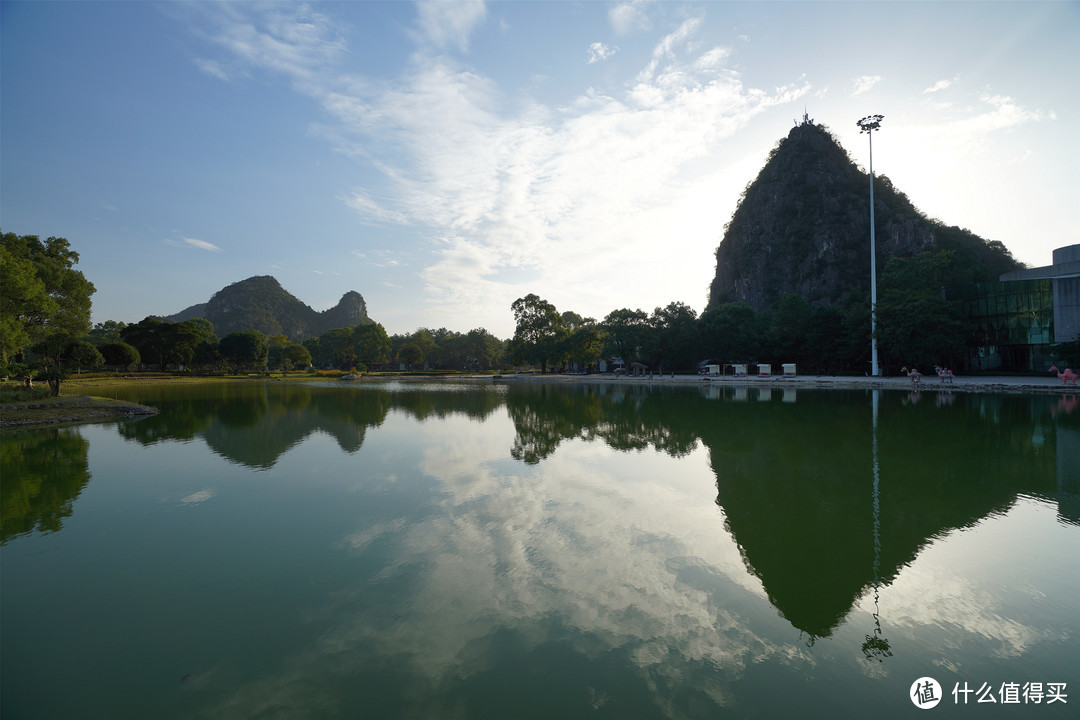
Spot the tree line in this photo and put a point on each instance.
(45, 331)
(918, 325)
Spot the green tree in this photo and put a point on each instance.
(675, 339)
(313, 347)
(55, 349)
(538, 333)
(916, 325)
(148, 336)
(297, 355)
(583, 341)
(729, 332)
(41, 293)
(786, 339)
(120, 354)
(180, 340)
(627, 332)
(244, 348)
(410, 353)
(372, 344)
(338, 349)
(106, 332)
(276, 352)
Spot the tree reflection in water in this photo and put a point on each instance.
(44, 472)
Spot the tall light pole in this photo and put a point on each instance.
(868, 125)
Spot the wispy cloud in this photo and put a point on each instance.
(531, 188)
(372, 211)
(863, 84)
(629, 17)
(212, 68)
(938, 86)
(449, 24)
(598, 52)
(193, 242)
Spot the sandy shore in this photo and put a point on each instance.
(982, 383)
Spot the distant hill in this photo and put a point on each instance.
(260, 303)
(803, 226)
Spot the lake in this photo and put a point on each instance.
(442, 550)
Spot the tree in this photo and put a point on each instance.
(538, 332)
(41, 293)
(54, 349)
(244, 348)
(583, 341)
(148, 336)
(729, 332)
(916, 325)
(180, 340)
(106, 332)
(486, 349)
(675, 338)
(627, 332)
(297, 355)
(372, 344)
(120, 354)
(786, 339)
(276, 353)
(337, 348)
(410, 353)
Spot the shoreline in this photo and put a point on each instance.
(989, 384)
(82, 409)
(68, 410)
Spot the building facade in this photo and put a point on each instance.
(1018, 318)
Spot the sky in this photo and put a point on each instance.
(444, 159)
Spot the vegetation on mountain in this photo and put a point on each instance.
(260, 303)
(802, 226)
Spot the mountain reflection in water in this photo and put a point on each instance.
(491, 560)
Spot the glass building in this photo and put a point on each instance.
(1012, 324)
(1018, 318)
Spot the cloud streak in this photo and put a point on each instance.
(195, 243)
(864, 84)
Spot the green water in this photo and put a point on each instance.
(394, 550)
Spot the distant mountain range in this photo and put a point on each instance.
(803, 226)
(260, 303)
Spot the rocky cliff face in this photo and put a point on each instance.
(260, 303)
(803, 226)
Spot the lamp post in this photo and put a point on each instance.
(868, 125)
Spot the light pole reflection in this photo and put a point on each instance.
(876, 647)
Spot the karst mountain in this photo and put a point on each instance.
(260, 303)
(803, 226)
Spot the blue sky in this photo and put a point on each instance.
(444, 159)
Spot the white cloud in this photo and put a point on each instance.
(939, 85)
(864, 83)
(628, 17)
(192, 242)
(212, 68)
(508, 191)
(599, 52)
(373, 211)
(449, 24)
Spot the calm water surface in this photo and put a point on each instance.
(463, 551)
